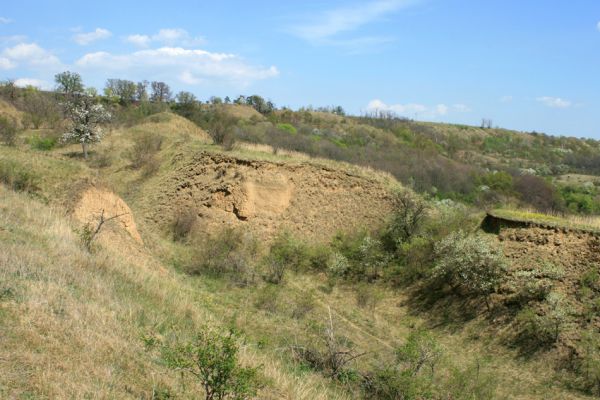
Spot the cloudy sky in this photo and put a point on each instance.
(527, 65)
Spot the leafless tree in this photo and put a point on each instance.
(161, 92)
(89, 231)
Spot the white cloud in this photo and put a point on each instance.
(506, 99)
(461, 108)
(86, 38)
(4, 20)
(12, 39)
(5, 63)
(598, 25)
(347, 19)
(139, 40)
(554, 102)
(24, 82)
(329, 28)
(190, 66)
(414, 110)
(29, 55)
(167, 37)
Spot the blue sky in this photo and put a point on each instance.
(527, 65)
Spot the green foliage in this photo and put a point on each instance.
(414, 375)
(86, 236)
(229, 253)
(211, 357)
(289, 128)
(42, 143)
(8, 131)
(498, 181)
(542, 328)
(17, 177)
(588, 368)
(68, 83)
(406, 221)
(469, 262)
(359, 257)
(580, 199)
(285, 253)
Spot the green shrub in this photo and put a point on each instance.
(285, 253)
(590, 279)
(17, 178)
(230, 253)
(542, 328)
(588, 368)
(8, 131)
(42, 143)
(289, 128)
(212, 358)
(469, 262)
(412, 375)
(359, 257)
(410, 212)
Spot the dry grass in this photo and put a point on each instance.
(583, 222)
(72, 321)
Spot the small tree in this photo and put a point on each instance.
(86, 116)
(161, 92)
(410, 212)
(68, 83)
(212, 358)
(470, 262)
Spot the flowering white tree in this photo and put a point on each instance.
(86, 117)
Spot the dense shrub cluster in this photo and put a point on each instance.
(231, 253)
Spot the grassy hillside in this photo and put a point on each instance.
(409, 302)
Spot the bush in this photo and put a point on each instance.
(183, 224)
(17, 177)
(285, 253)
(230, 253)
(412, 376)
(211, 357)
(144, 150)
(289, 128)
(588, 367)
(359, 257)
(540, 329)
(42, 143)
(469, 262)
(406, 221)
(8, 131)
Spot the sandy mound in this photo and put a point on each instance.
(169, 125)
(241, 111)
(94, 200)
(266, 197)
